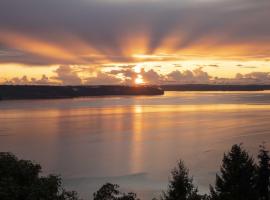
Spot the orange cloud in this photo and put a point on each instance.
(35, 46)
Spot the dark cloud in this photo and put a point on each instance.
(177, 65)
(247, 67)
(27, 58)
(214, 65)
(91, 31)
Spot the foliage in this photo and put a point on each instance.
(240, 178)
(237, 177)
(263, 173)
(110, 192)
(181, 185)
(20, 180)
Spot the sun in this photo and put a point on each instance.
(139, 80)
(137, 69)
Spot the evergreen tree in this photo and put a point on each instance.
(181, 185)
(263, 173)
(237, 177)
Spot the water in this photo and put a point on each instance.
(134, 141)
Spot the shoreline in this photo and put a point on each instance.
(20, 92)
(32, 92)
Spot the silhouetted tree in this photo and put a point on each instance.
(237, 178)
(263, 173)
(110, 192)
(181, 185)
(68, 195)
(20, 180)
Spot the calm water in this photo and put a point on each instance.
(134, 141)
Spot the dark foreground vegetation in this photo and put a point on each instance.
(56, 92)
(240, 178)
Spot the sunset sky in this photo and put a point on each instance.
(75, 42)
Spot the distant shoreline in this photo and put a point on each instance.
(17, 92)
(212, 87)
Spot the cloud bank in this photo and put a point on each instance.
(89, 31)
(66, 75)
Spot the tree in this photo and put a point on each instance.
(263, 173)
(237, 177)
(181, 185)
(110, 192)
(20, 180)
(68, 195)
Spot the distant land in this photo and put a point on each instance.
(212, 87)
(9, 92)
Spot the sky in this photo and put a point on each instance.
(93, 42)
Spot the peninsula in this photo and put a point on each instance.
(55, 92)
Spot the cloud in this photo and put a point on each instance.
(247, 67)
(24, 80)
(67, 76)
(128, 74)
(43, 81)
(103, 79)
(151, 76)
(177, 66)
(188, 76)
(249, 78)
(214, 65)
(257, 77)
(87, 32)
